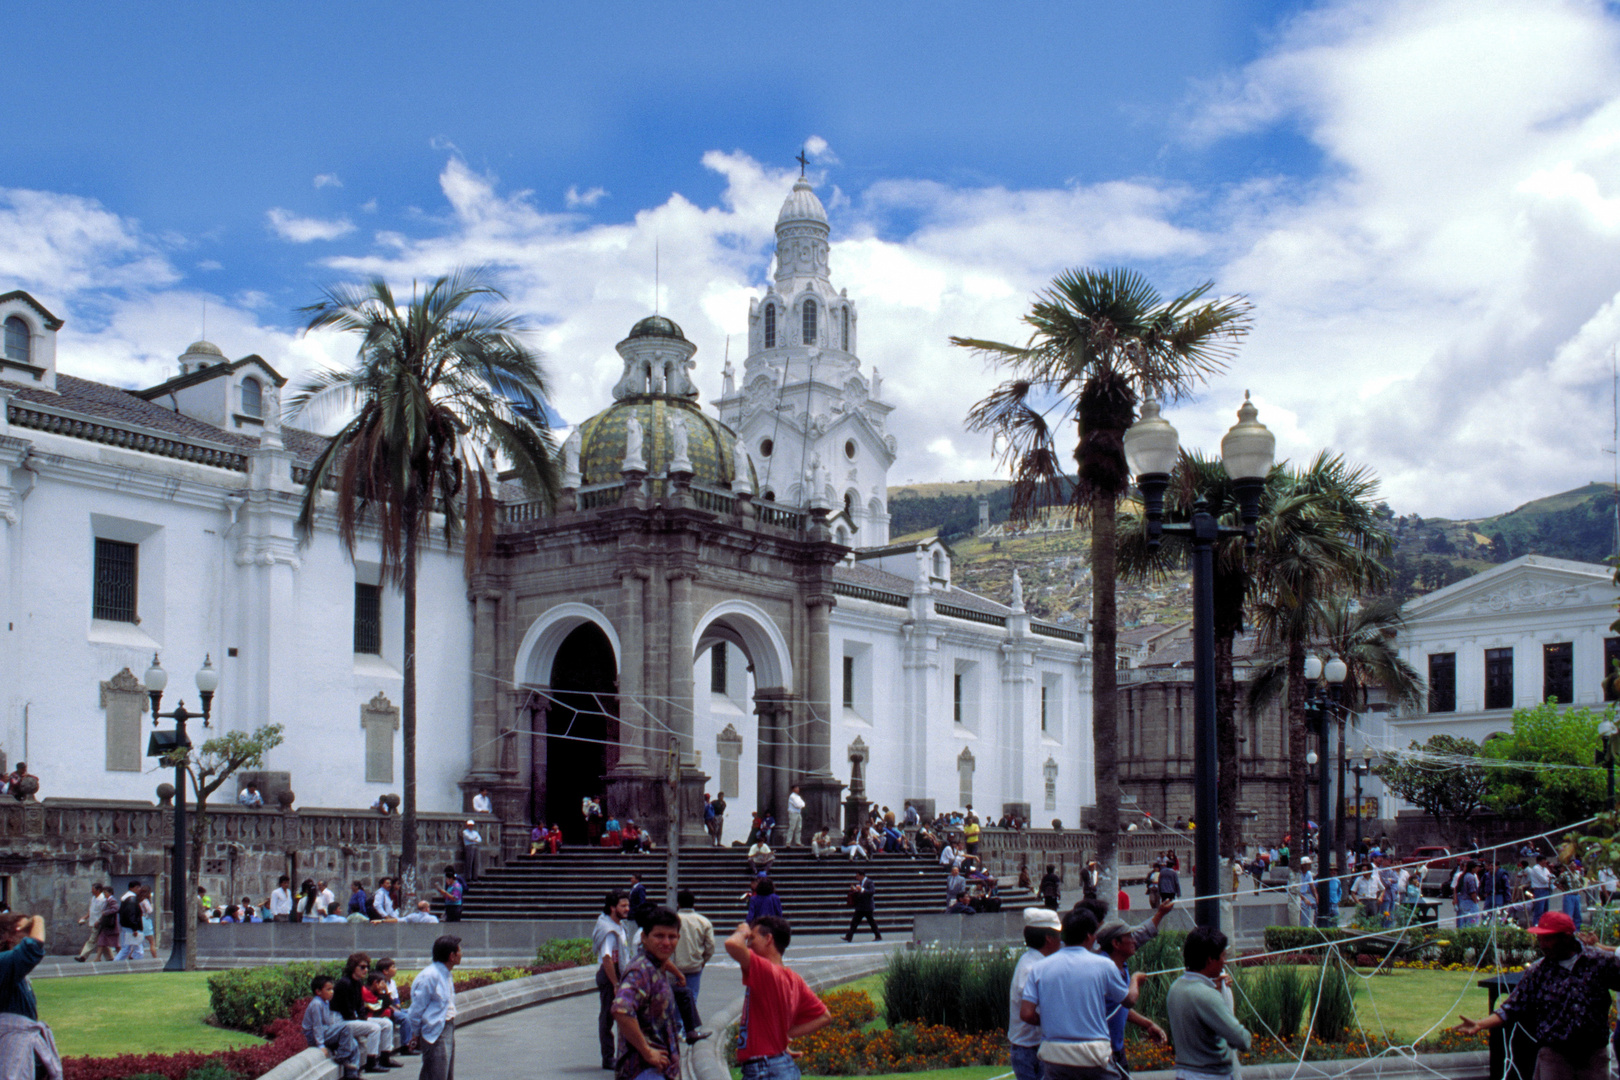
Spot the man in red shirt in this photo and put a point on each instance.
(777, 1005)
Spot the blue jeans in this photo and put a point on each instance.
(1026, 1062)
(1572, 908)
(777, 1067)
(1539, 908)
(1466, 912)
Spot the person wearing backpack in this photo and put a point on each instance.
(131, 940)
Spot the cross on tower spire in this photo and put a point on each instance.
(804, 162)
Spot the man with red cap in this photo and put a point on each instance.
(1563, 1002)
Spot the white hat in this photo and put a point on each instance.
(1040, 918)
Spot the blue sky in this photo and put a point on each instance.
(1417, 196)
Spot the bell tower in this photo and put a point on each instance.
(814, 424)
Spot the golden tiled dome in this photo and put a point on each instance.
(710, 444)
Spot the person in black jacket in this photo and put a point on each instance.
(862, 897)
(1051, 888)
(377, 1036)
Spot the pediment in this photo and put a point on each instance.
(1529, 584)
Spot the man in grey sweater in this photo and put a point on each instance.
(1202, 1026)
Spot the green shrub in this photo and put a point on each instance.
(1485, 945)
(1334, 1009)
(963, 989)
(249, 998)
(564, 950)
(1271, 998)
(1161, 953)
(213, 1070)
(1307, 939)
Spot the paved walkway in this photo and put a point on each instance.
(558, 1039)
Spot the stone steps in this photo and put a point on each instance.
(571, 885)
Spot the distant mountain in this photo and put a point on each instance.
(1429, 553)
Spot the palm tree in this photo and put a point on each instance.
(438, 388)
(1319, 539)
(1099, 341)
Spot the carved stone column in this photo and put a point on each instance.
(632, 668)
(678, 708)
(486, 748)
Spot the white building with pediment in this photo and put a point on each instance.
(1514, 636)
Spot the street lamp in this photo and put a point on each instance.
(1334, 671)
(164, 744)
(1606, 751)
(1151, 449)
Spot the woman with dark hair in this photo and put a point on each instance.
(305, 911)
(764, 901)
(144, 894)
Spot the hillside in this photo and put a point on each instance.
(1429, 553)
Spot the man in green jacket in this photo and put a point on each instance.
(1202, 1026)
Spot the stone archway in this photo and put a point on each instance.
(779, 749)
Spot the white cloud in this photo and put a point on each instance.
(575, 197)
(817, 150)
(302, 230)
(327, 179)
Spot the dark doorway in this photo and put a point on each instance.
(582, 726)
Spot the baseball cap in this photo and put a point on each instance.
(1554, 922)
(1111, 931)
(1040, 918)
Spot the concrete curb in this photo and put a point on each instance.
(708, 1060)
(65, 967)
(472, 1006)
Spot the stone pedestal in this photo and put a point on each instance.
(821, 804)
(640, 795)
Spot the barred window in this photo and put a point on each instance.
(367, 618)
(1558, 672)
(849, 682)
(1499, 678)
(1443, 682)
(770, 326)
(116, 570)
(717, 669)
(809, 322)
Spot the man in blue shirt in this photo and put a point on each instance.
(1070, 995)
(433, 1010)
(1043, 934)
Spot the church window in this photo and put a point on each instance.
(956, 699)
(1043, 709)
(252, 398)
(809, 322)
(1611, 656)
(849, 449)
(1443, 682)
(17, 346)
(1558, 672)
(939, 564)
(367, 618)
(765, 447)
(770, 496)
(1499, 678)
(849, 503)
(849, 682)
(770, 326)
(116, 574)
(717, 669)
(845, 344)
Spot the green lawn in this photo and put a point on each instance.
(101, 1015)
(1409, 1003)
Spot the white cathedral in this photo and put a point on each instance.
(158, 520)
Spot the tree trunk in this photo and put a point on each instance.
(1226, 747)
(199, 833)
(1104, 702)
(407, 847)
(1298, 774)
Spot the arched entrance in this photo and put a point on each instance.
(581, 726)
(751, 631)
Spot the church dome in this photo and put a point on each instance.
(802, 205)
(711, 446)
(656, 326)
(203, 348)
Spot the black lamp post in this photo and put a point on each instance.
(164, 744)
(1151, 447)
(1606, 752)
(1361, 768)
(1334, 671)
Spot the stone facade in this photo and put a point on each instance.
(52, 852)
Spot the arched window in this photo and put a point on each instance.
(770, 496)
(849, 503)
(845, 345)
(17, 344)
(809, 322)
(770, 326)
(252, 398)
(939, 564)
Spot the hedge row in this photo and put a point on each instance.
(1489, 946)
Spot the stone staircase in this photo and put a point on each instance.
(571, 884)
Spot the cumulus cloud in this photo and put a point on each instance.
(590, 197)
(301, 230)
(327, 179)
(1440, 299)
